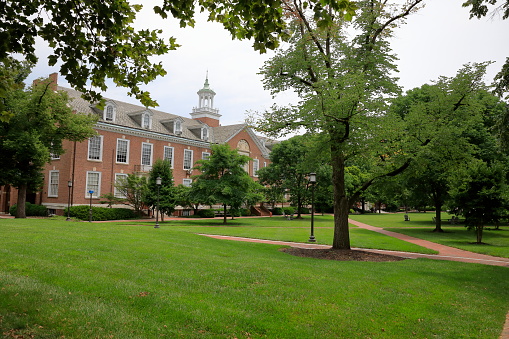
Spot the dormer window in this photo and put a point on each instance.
(178, 127)
(205, 133)
(146, 121)
(109, 112)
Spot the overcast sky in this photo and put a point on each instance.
(436, 41)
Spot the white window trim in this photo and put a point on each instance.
(256, 167)
(116, 193)
(191, 160)
(100, 150)
(205, 133)
(143, 116)
(97, 193)
(187, 182)
(172, 154)
(177, 127)
(50, 184)
(127, 154)
(105, 112)
(151, 153)
(205, 155)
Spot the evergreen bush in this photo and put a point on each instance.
(277, 211)
(100, 213)
(31, 210)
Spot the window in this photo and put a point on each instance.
(95, 148)
(53, 183)
(178, 127)
(146, 154)
(54, 156)
(122, 151)
(93, 184)
(187, 182)
(205, 155)
(109, 113)
(264, 164)
(145, 120)
(119, 177)
(204, 133)
(256, 166)
(188, 159)
(168, 154)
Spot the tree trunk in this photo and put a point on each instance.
(22, 199)
(224, 214)
(478, 232)
(341, 233)
(438, 218)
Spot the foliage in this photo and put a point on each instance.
(41, 120)
(133, 188)
(223, 179)
(167, 191)
(185, 198)
(479, 9)
(31, 210)
(97, 40)
(100, 213)
(111, 199)
(206, 213)
(481, 195)
(277, 211)
(341, 71)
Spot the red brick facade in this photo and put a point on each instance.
(76, 167)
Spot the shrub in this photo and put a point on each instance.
(245, 212)
(277, 211)
(206, 213)
(100, 213)
(31, 210)
(289, 210)
(305, 210)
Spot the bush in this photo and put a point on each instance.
(245, 212)
(31, 210)
(289, 210)
(305, 210)
(206, 213)
(277, 211)
(100, 213)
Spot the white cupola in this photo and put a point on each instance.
(205, 112)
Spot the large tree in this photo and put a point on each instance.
(223, 179)
(41, 119)
(342, 72)
(133, 188)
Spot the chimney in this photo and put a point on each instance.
(52, 79)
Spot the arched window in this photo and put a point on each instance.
(109, 112)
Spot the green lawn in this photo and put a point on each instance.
(496, 242)
(297, 230)
(109, 280)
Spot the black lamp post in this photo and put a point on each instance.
(312, 180)
(90, 210)
(69, 185)
(158, 184)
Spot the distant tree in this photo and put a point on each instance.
(223, 179)
(133, 188)
(481, 195)
(39, 120)
(167, 190)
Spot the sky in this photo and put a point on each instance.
(434, 42)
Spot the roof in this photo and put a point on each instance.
(128, 115)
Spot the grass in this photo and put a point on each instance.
(496, 242)
(297, 230)
(107, 280)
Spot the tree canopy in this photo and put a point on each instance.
(41, 120)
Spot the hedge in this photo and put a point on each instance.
(100, 213)
(31, 210)
(206, 213)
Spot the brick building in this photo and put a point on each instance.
(130, 138)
